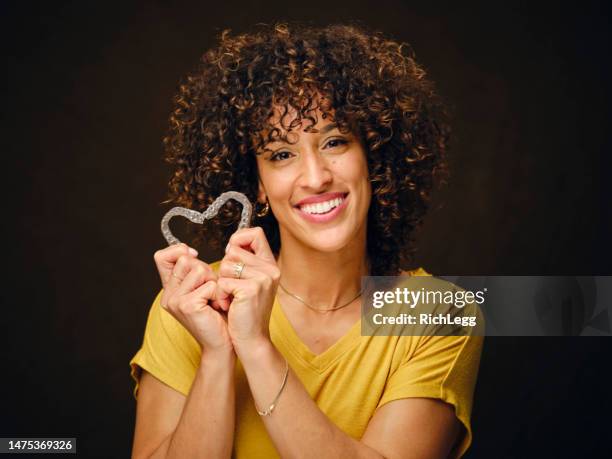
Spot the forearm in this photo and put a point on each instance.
(206, 426)
(297, 427)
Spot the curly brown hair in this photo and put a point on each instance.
(366, 83)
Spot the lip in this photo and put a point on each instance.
(324, 218)
(320, 198)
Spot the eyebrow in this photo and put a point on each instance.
(329, 127)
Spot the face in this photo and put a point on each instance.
(317, 185)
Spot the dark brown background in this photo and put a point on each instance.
(86, 96)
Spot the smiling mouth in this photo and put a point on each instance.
(322, 208)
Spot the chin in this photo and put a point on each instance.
(330, 239)
(328, 247)
(326, 242)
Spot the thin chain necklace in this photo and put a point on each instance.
(317, 309)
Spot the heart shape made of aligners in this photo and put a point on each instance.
(199, 217)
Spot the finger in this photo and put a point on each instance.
(167, 257)
(253, 239)
(236, 256)
(205, 292)
(254, 266)
(199, 273)
(210, 292)
(222, 304)
(178, 272)
(229, 286)
(181, 268)
(221, 299)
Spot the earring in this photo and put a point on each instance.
(263, 212)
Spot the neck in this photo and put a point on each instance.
(323, 279)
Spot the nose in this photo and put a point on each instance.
(315, 173)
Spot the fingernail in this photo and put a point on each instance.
(193, 251)
(227, 247)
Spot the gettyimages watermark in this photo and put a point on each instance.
(486, 305)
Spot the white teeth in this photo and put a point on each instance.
(322, 207)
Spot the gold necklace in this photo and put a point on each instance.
(317, 309)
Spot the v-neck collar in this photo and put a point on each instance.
(281, 327)
(293, 343)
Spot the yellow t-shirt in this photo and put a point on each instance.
(348, 381)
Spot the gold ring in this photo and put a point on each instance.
(238, 267)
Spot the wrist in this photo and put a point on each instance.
(218, 357)
(254, 350)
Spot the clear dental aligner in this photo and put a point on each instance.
(199, 217)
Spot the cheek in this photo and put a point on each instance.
(356, 173)
(353, 170)
(278, 187)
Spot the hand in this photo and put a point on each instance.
(189, 294)
(252, 296)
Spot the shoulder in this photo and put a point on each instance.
(415, 272)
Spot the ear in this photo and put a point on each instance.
(261, 194)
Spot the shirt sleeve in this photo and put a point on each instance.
(168, 351)
(440, 367)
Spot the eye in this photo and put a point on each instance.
(332, 143)
(280, 156)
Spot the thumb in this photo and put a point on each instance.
(220, 298)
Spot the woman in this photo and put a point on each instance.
(338, 136)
